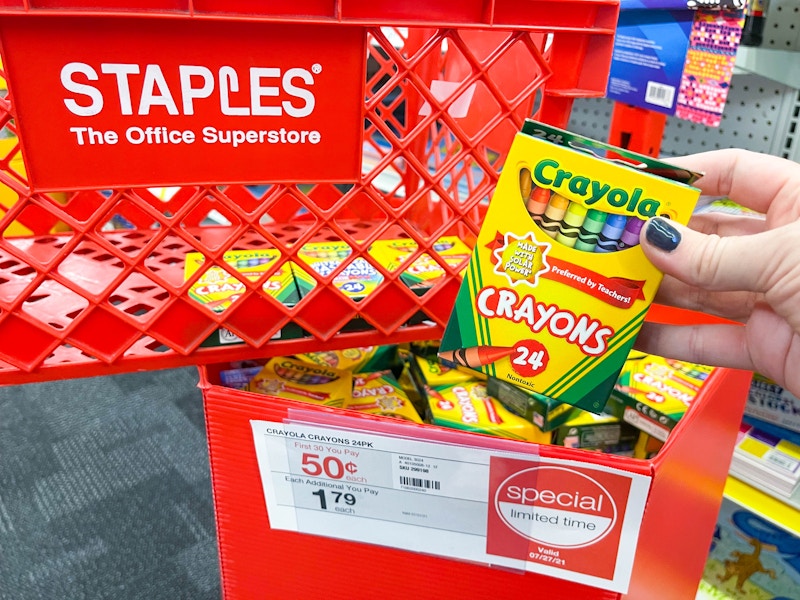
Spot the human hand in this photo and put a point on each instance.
(743, 268)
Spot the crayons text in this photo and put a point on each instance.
(589, 334)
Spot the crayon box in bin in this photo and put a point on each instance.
(361, 278)
(219, 287)
(653, 394)
(295, 491)
(547, 414)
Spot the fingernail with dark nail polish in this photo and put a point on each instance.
(662, 235)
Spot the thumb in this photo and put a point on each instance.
(709, 261)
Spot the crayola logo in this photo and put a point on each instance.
(548, 173)
(308, 368)
(383, 390)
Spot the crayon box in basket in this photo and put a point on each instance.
(557, 286)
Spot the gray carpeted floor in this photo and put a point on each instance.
(105, 490)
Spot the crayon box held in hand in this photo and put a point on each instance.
(557, 286)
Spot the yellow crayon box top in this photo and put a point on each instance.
(425, 269)
(557, 285)
(355, 280)
(469, 407)
(379, 393)
(288, 377)
(664, 385)
(218, 288)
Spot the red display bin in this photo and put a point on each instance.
(110, 101)
(688, 477)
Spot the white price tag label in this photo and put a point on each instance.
(460, 502)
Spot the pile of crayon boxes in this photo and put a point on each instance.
(410, 382)
(218, 286)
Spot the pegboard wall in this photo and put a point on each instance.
(760, 114)
(782, 30)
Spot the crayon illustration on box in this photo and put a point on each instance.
(557, 286)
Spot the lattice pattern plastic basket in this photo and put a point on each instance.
(92, 278)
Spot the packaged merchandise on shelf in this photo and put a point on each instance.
(434, 372)
(769, 402)
(755, 549)
(423, 369)
(218, 288)
(299, 380)
(676, 57)
(546, 413)
(238, 378)
(360, 277)
(767, 462)
(469, 407)
(557, 286)
(790, 435)
(379, 393)
(653, 393)
(591, 431)
(357, 280)
(408, 382)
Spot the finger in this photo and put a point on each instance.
(726, 225)
(768, 261)
(717, 345)
(729, 305)
(751, 179)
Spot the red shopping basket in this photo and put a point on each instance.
(110, 101)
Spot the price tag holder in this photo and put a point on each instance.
(564, 518)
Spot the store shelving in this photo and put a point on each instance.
(781, 66)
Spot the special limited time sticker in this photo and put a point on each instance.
(459, 502)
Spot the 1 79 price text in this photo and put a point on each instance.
(338, 499)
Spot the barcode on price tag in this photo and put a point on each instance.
(659, 94)
(415, 482)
